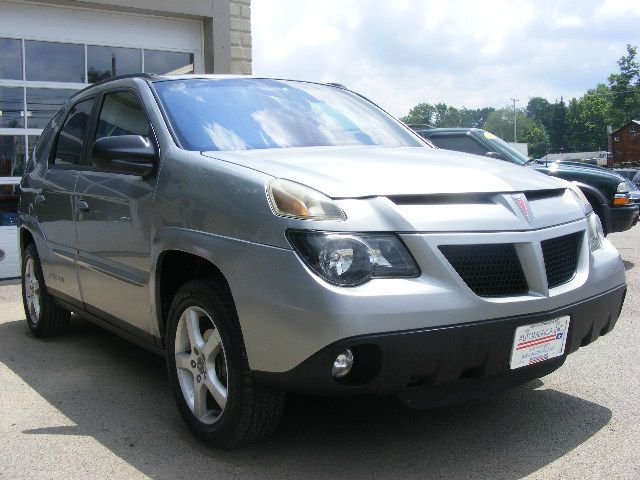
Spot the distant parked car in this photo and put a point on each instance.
(607, 191)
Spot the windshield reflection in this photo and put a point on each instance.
(242, 114)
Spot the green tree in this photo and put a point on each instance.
(500, 123)
(625, 87)
(540, 110)
(537, 139)
(422, 113)
(558, 128)
(587, 119)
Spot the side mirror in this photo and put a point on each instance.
(125, 153)
(496, 155)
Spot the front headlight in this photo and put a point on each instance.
(291, 199)
(596, 234)
(351, 259)
(622, 188)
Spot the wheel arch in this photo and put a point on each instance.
(599, 203)
(180, 255)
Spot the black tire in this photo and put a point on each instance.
(251, 412)
(52, 319)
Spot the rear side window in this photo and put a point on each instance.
(41, 151)
(459, 144)
(122, 114)
(72, 134)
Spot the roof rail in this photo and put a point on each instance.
(147, 76)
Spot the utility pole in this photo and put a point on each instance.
(515, 138)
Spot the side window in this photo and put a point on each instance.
(71, 138)
(122, 114)
(459, 144)
(43, 146)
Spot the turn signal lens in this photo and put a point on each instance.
(621, 199)
(291, 199)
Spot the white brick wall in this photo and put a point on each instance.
(241, 36)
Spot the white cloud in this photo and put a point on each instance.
(471, 53)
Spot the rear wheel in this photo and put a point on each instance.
(215, 391)
(44, 316)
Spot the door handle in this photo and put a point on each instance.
(82, 206)
(40, 199)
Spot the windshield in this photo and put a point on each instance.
(514, 154)
(249, 113)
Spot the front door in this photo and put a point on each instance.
(114, 225)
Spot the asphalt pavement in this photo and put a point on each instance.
(92, 405)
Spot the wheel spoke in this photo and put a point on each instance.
(192, 320)
(183, 360)
(213, 345)
(216, 388)
(199, 400)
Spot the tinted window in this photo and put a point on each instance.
(10, 58)
(71, 138)
(240, 114)
(122, 114)
(107, 62)
(54, 62)
(11, 107)
(459, 144)
(156, 61)
(43, 103)
(44, 141)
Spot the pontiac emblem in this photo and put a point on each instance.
(523, 205)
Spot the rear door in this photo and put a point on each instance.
(114, 223)
(54, 205)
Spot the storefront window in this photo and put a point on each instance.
(54, 62)
(107, 62)
(12, 151)
(11, 107)
(10, 59)
(177, 63)
(43, 103)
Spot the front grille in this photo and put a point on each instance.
(561, 258)
(490, 270)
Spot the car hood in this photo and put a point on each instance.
(350, 172)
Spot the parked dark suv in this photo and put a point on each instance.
(272, 236)
(607, 191)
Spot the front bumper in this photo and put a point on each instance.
(435, 366)
(623, 217)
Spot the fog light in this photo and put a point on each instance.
(342, 364)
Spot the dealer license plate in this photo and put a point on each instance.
(538, 342)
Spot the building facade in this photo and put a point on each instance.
(625, 143)
(50, 49)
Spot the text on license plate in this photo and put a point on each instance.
(538, 342)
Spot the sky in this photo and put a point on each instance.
(460, 52)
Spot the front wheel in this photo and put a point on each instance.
(215, 391)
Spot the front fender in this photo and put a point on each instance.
(223, 252)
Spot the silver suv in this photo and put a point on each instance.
(272, 236)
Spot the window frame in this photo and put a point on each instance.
(54, 146)
(87, 161)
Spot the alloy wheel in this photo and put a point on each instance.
(201, 364)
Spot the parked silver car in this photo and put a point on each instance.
(274, 236)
